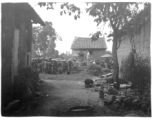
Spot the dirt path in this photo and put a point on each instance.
(60, 95)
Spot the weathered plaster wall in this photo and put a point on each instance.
(142, 44)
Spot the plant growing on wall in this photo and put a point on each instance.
(139, 73)
(133, 64)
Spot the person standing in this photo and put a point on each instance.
(88, 58)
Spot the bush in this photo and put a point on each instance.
(21, 84)
(137, 70)
(94, 69)
(106, 70)
(26, 81)
(75, 68)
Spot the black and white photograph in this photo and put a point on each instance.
(75, 59)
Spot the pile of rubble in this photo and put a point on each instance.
(126, 100)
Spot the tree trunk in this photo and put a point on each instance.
(116, 65)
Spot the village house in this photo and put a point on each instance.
(142, 44)
(82, 46)
(17, 20)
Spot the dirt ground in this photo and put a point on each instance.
(59, 95)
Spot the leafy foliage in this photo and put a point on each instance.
(138, 19)
(48, 4)
(66, 8)
(27, 78)
(136, 70)
(117, 14)
(43, 36)
(94, 69)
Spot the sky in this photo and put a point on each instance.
(67, 27)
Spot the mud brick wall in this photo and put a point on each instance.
(142, 44)
(7, 44)
(96, 54)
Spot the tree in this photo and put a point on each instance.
(44, 39)
(116, 14)
(133, 27)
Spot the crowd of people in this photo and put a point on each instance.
(52, 66)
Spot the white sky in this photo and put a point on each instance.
(67, 27)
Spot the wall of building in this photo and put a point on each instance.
(15, 46)
(96, 54)
(7, 44)
(142, 44)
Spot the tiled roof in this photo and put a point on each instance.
(29, 11)
(87, 43)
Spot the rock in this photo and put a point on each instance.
(149, 109)
(107, 103)
(109, 98)
(109, 79)
(117, 104)
(128, 90)
(139, 105)
(112, 91)
(127, 101)
(96, 89)
(97, 81)
(113, 98)
(148, 102)
(115, 107)
(135, 102)
(144, 107)
(117, 101)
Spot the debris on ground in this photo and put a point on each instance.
(127, 99)
(112, 91)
